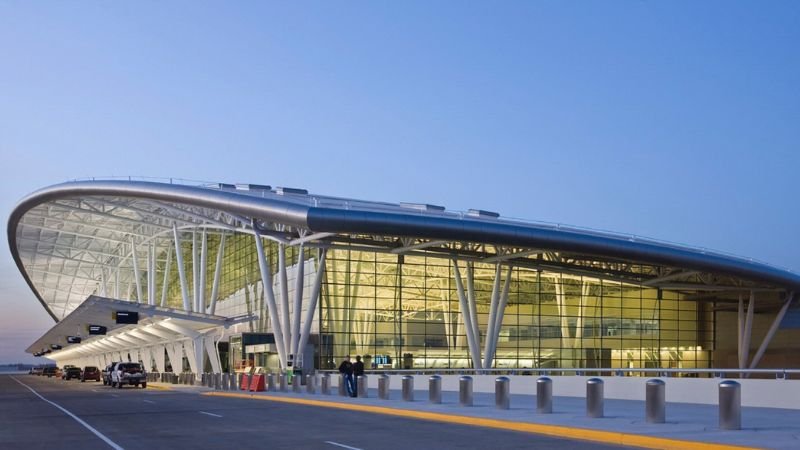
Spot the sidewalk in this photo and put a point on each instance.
(623, 422)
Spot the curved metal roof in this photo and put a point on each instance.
(64, 238)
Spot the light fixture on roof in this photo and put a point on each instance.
(422, 206)
(290, 191)
(483, 213)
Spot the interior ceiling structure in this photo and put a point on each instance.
(70, 239)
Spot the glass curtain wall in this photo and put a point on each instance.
(402, 311)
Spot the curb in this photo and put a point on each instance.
(559, 431)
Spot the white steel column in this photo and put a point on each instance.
(160, 357)
(474, 349)
(165, 283)
(136, 272)
(213, 352)
(181, 269)
(201, 301)
(312, 304)
(490, 324)
(195, 274)
(748, 329)
(266, 280)
(284, 285)
(147, 358)
(740, 330)
(298, 301)
(472, 303)
(772, 330)
(175, 351)
(217, 272)
(501, 308)
(151, 275)
(581, 313)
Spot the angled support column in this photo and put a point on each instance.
(194, 353)
(740, 332)
(195, 274)
(501, 308)
(748, 330)
(160, 358)
(165, 282)
(136, 272)
(472, 303)
(312, 304)
(217, 272)
(284, 285)
(266, 280)
(297, 309)
(181, 269)
(474, 349)
(201, 289)
(772, 330)
(490, 325)
(175, 352)
(210, 340)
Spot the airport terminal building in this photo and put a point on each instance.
(225, 276)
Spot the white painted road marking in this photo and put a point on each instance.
(149, 401)
(342, 445)
(108, 441)
(209, 414)
(114, 395)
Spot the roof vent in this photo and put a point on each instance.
(483, 213)
(422, 207)
(253, 187)
(223, 186)
(286, 191)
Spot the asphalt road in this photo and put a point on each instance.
(133, 418)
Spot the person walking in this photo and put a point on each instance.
(346, 369)
(358, 369)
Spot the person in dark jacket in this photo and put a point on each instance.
(358, 369)
(346, 369)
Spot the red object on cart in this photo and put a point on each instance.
(245, 384)
(257, 384)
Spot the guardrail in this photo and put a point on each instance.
(780, 374)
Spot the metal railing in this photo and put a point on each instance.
(780, 374)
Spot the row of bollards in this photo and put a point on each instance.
(655, 392)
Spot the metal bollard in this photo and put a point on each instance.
(226, 381)
(240, 382)
(383, 387)
(730, 405)
(655, 401)
(502, 392)
(342, 388)
(361, 385)
(435, 389)
(282, 382)
(310, 388)
(544, 395)
(594, 397)
(204, 378)
(465, 390)
(217, 381)
(325, 384)
(408, 388)
(271, 383)
(296, 384)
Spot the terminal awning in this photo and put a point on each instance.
(156, 325)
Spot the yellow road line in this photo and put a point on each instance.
(607, 437)
(160, 388)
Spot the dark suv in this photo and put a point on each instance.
(72, 372)
(90, 373)
(50, 371)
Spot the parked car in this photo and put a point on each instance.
(72, 372)
(90, 373)
(51, 371)
(37, 371)
(128, 373)
(106, 375)
(64, 371)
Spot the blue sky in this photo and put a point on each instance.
(675, 120)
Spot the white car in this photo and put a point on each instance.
(128, 373)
